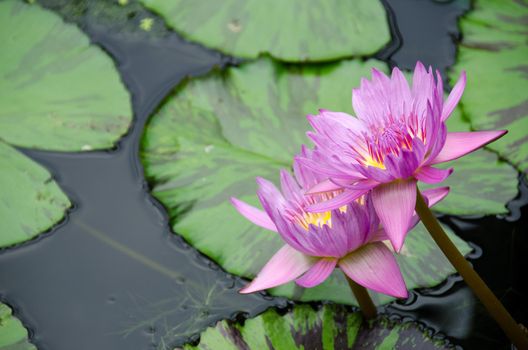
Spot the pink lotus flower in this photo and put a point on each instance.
(349, 237)
(397, 138)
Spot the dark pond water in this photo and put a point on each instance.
(113, 276)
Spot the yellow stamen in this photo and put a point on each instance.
(318, 219)
(369, 161)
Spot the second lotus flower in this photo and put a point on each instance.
(349, 237)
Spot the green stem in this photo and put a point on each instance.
(473, 280)
(368, 309)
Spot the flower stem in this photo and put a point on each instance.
(473, 280)
(368, 309)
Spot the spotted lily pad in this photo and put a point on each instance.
(494, 54)
(210, 141)
(293, 30)
(331, 327)
(13, 335)
(57, 92)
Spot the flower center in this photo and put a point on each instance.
(317, 219)
(388, 138)
(298, 215)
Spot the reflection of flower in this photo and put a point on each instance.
(397, 137)
(349, 237)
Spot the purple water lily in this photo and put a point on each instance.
(349, 237)
(397, 138)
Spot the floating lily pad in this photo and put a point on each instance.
(13, 335)
(57, 91)
(294, 30)
(494, 54)
(210, 141)
(30, 201)
(331, 327)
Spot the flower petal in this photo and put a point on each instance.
(373, 266)
(342, 119)
(351, 228)
(378, 235)
(423, 85)
(292, 235)
(290, 188)
(325, 169)
(401, 93)
(255, 215)
(435, 195)
(365, 98)
(458, 144)
(324, 186)
(285, 266)
(431, 175)
(318, 273)
(394, 203)
(377, 174)
(404, 165)
(436, 145)
(431, 196)
(454, 96)
(306, 177)
(270, 197)
(344, 198)
(328, 120)
(439, 88)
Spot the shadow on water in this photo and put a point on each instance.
(113, 276)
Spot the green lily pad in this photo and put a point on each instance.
(494, 54)
(294, 30)
(210, 141)
(13, 335)
(57, 91)
(30, 201)
(328, 328)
